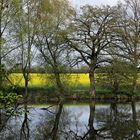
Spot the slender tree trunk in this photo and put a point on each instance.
(92, 83)
(115, 86)
(59, 83)
(26, 80)
(134, 84)
(92, 133)
(26, 89)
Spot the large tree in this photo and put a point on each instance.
(24, 27)
(127, 36)
(92, 36)
(7, 13)
(50, 39)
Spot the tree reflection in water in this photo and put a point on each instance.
(92, 132)
(48, 129)
(16, 128)
(56, 125)
(63, 122)
(119, 122)
(25, 130)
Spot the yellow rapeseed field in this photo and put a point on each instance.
(39, 80)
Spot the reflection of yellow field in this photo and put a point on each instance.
(39, 80)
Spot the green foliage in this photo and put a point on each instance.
(115, 76)
(8, 102)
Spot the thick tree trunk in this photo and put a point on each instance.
(92, 84)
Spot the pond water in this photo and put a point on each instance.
(84, 121)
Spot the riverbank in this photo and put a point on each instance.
(76, 87)
(47, 95)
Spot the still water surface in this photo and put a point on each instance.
(88, 121)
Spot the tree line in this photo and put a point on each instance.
(53, 35)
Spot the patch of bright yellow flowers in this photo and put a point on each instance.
(39, 80)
